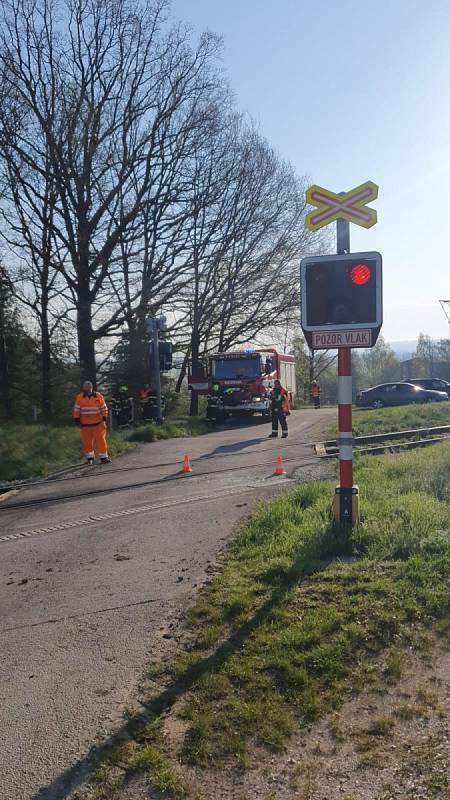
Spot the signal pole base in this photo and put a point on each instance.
(346, 506)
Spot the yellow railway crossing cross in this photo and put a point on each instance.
(351, 206)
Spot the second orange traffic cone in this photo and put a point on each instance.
(279, 468)
(186, 468)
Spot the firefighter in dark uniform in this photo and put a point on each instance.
(279, 407)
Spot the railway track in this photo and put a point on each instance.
(164, 480)
(81, 471)
(369, 444)
(392, 441)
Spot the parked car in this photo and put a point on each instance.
(397, 394)
(437, 384)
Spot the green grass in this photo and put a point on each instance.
(176, 428)
(28, 450)
(393, 669)
(384, 420)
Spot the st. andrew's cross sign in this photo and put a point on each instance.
(351, 206)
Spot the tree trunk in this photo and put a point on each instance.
(4, 371)
(138, 371)
(182, 375)
(86, 343)
(46, 363)
(195, 353)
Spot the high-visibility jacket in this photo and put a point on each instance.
(281, 401)
(90, 409)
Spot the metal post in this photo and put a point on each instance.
(345, 436)
(346, 505)
(156, 373)
(342, 236)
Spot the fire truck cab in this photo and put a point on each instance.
(240, 383)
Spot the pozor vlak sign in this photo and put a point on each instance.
(341, 300)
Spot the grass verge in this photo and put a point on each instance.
(176, 428)
(303, 613)
(28, 450)
(384, 420)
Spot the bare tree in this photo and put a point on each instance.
(156, 252)
(106, 96)
(27, 213)
(247, 234)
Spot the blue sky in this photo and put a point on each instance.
(350, 91)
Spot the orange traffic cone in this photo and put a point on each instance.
(279, 468)
(186, 468)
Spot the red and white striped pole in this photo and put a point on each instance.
(345, 440)
(346, 491)
(345, 505)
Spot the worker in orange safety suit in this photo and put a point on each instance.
(90, 413)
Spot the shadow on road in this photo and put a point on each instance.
(236, 447)
(240, 422)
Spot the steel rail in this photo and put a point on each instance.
(141, 484)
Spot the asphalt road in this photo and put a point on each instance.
(94, 569)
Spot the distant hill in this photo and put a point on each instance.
(404, 350)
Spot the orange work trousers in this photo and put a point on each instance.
(91, 434)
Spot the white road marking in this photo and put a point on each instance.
(62, 526)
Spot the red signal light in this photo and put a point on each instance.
(360, 274)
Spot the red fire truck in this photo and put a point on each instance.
(240, 383)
